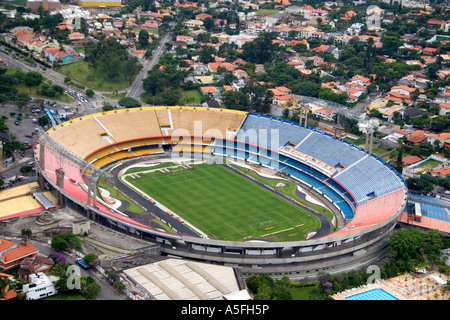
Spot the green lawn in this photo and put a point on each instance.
(80, 72)
(225, 205)
(190, 97)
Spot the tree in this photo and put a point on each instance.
(260, 50)
(33, 79)
(89, 288)
(208, 23)
(26, 233)
(107, 107)
(390, 45)
(129, 102)
(419, 185)
(236, 100)
(143, 38)
(65, 241)
(90, 93)
(260, 98)
(90, 258)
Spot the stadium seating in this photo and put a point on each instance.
(359, 184)
(368, 176)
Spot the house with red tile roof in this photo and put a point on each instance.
(411, 159)
(202, 16)
(12, 253)
(400, 94)
(76, 36)
(34, 264)
(416, 137)
(348, 15)
(212, 66)
(444, 109)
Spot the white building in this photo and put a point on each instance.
(40, 286)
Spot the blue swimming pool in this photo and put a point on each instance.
(374, 294)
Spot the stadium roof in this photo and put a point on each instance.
(175, 279)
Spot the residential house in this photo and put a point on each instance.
(203, 16)
(412, 113)
(58, 55)
(34, 264)
(280, 98)
(325, 113)
(238, 84)
(240, 74)
(356, 87)
(138, 53)
(428, 51)
(325, 48)
(213, 92)
(443, 139)
(414, 63)
(12, 253)
(400, 94)
(76, 36)
(213, 66)
(410, 160)
(355, 28)
(284, 90)
(444, 109)
(188, 39)
(416, 138)
(150, 25)
(348, 15)
(436, 23)
(191, 24)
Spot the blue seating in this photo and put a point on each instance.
(369, 176)
(260, 130)
(329, 150)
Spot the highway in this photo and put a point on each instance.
(136, 89)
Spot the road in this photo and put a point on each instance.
(49, 74)
(136, 89)
(107, 293)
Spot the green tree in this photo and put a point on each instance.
(89, 288)
(143, 38)
(90, 93)
(66, 241)
(26, 233)
(90, 258)
(419, 185)
(208, 23)
(33, 79)
(260, 50)
(236, 100)
(129, 102)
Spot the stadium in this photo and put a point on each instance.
(366, 194)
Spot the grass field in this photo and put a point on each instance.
(81, 73)
(225, 205)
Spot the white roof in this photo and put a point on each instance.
(176, 279)
(238, 295)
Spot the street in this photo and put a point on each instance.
(136, 89)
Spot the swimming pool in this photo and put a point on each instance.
(374, 294)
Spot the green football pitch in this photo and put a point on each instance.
(225, 205)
